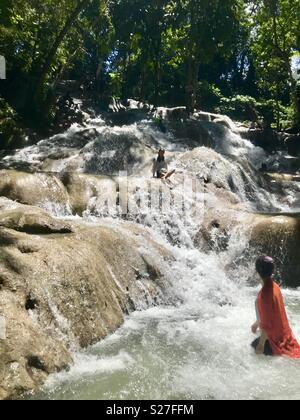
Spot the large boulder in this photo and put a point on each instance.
(29, 219)
(191, 133)
(28, 351)
(292, 143)
(180, 114)
(279, 236)
(251, 235)
(226, 173)
(82, 189)
(60, 193)
(172, 114)
(33, 189)
(219, 119)
(62, 290)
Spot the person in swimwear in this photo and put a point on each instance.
(277, 338)
(160, 167)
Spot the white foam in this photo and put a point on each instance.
(89, 365)
(199, 347)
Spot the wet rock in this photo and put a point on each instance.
(172, 114)
(192, 133)
(268, 139)
(279, 236)
(32, 189)
(222, 120)
(127, 117)
(153, 271)
(239, 178)
(29, 219)
(282, 163)
(68, 291)
(116, 151)
(62, 193)
(220, 222)
(24, 338)
(292, 143)
(283, 177)
(82, 188)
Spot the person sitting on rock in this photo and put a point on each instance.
(277, 338)
(160, 167)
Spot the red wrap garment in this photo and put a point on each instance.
(274, 321)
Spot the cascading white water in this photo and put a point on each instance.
(197, 349)
(200, 347)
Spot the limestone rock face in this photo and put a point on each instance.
(66, 283)
(29, 219)
(274, 235)
(238, 178)
(292, 143)
(279, 236)
(192, 133)
(81, 188)
(65, 288)
(32, 189)
(29, 353)
(63, 193)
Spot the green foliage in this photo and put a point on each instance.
(209, 94)
(249, 109)
(167, 52)
(43, 40)
(275, 26)
(116, 81)
(9, 125)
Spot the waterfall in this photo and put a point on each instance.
(198, 346)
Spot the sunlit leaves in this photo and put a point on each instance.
(275, 26)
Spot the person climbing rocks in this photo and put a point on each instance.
(160, 167)
(277, 338)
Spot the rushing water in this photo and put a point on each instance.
(200, 347)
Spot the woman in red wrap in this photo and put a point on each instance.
(277, 338)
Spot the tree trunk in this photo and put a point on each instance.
(193, 59)
(285, 56)
(295, 97)
(143, 82)
(59, 39)
(157, 82)
(191, 86)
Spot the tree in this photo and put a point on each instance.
(274, 42)
(140, 26)
(166, 52)
(41, 40)
(47, 61)
(209, 27)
